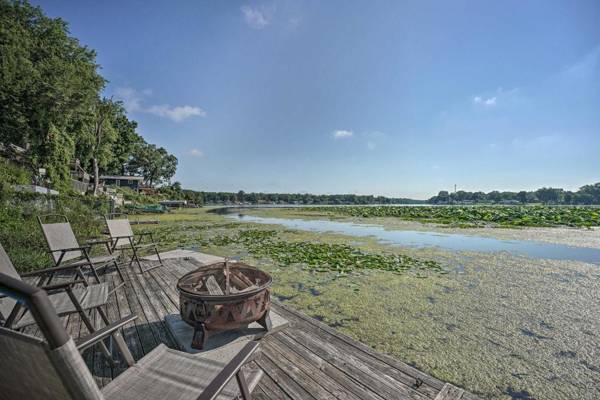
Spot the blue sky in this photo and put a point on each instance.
(398, 98)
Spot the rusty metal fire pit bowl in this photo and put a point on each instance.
(224, 296)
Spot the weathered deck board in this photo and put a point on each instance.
(309, 360)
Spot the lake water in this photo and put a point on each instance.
(455, 242)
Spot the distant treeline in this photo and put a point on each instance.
(176, 192)
(588, 194)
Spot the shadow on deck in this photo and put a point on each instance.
(308, 360)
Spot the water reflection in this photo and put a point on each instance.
(455, 242)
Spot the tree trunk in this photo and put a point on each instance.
(96, 177)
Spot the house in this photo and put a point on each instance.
(130, 181)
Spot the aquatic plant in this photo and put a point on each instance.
(469, 216)
(320, 256)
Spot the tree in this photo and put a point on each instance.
(522, 196)
(494, 196)
(156, 165)
(124, 145)
(550, 195)
(443, 197)
(240, 196)
(48, 82)
(102, 135)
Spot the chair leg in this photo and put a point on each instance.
(137, 259)
(158, 255)
(95, 273)
(103, 348)
(119, 341)
(119, 271)
(88, 323)
(241, 380)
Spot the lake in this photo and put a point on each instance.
(455, 242)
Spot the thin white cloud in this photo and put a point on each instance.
(371, 145)
(176, 114)
(196, 153)
(256, 18)
(342, 134)
(133, 101)
(585, 67)
(489, 102)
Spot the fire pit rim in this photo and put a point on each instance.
(225, 298)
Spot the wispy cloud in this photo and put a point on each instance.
(586, 66)
(487, 102)
(342, 134)
(255, 17)
(371, 145)
(196, 153)
(133, 101)
(176, 114)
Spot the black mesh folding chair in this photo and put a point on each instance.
(123, 239)
(52, 367)
(66, 298)
(66, 250)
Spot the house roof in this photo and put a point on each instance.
(130, 177)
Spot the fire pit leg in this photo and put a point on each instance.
(265, 321)
(199, 338)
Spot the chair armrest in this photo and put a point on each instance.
(215, 387)
(62, 286)
(92, 242)
(114, 238)
(78, 248)
(49, 270)
(144, 234)
(103, 333)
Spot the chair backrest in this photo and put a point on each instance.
(31, 368)
(6, 267)
(119, 228)
(60, 236)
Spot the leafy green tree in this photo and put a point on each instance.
(95, 145)
(522, 196)
(124, 145)
(550, 195)
(155, 164)
(48, 82)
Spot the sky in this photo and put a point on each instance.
(394, 98)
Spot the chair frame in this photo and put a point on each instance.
(133, 244)
(37, 302)
(21, 308)
(58, 263)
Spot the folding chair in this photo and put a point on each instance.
(66, 299)
(66, 251)
(52, 368)
(122, 238)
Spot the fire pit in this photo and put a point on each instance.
(224, 296)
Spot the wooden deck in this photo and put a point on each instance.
(308, 360)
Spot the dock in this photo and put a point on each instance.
(307, 360)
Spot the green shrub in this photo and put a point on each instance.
(20, 234)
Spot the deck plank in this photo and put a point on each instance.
(309, 360)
